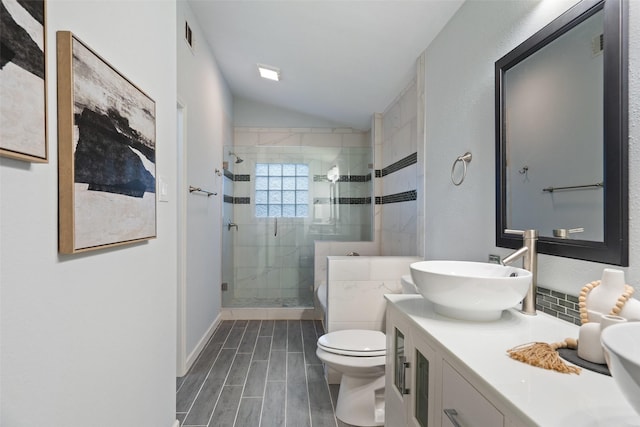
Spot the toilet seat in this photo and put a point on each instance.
(354, 342)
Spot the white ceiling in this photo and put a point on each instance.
(340, 60)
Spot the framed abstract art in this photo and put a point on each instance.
(23, 117)
(106, 151)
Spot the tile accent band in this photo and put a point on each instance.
(236, 177)
(316, 201)
(405, 196)
(316, 178)
(400, 164)
(344, 178)
(237, 200)
(343, 201)
(379, 173)
(242, 200)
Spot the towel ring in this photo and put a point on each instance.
(465, 159)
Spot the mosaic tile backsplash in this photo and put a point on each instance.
(558, 304)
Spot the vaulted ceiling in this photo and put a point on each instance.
(340, 60)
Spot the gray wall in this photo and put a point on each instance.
(208, 108)
(460, 116)
(89, 339)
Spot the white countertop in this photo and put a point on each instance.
(538, 396)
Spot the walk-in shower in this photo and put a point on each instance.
(283, 199)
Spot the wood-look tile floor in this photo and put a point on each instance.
(258, 373)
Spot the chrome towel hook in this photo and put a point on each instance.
(465, 159)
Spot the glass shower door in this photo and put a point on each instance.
(283, 199)
(273, 256)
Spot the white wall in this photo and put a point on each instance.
(90, 339)
(251, 113)
(459, 84)
(208, 108)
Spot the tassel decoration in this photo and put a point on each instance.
(545, 356)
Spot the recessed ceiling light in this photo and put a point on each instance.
(269, 72)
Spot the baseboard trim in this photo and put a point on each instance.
(269, 314)
(191, 358)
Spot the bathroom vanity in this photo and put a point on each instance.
(442, 371)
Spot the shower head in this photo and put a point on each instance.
(238, 159)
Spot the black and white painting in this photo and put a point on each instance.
(22, 80)
(113, 155)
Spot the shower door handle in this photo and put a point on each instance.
(275, 230)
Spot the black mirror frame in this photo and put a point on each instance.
(615, 248)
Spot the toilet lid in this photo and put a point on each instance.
(354, 342)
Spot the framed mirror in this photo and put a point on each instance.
(561, 136)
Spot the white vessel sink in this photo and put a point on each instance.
(622, 350)
(470, 290)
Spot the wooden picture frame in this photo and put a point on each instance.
(106, 153)
(23, 81)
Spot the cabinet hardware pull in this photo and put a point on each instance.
(452, 414)
(403, 375)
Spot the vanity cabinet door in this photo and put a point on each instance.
(463, 405)
(398, 370)
(411, 369)
(423, 384)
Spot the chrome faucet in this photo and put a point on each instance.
(529, 255)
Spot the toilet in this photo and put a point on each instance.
(360, 356)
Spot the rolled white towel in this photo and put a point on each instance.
(408, 287)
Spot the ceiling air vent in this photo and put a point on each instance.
(597, 45)
(188, 34)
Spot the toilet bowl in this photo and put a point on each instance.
(359, 355)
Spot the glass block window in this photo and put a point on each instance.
(282, 190)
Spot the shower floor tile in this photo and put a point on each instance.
(258, 373)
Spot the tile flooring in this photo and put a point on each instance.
(258, 373)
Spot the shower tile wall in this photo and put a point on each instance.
(324, 249)
(397, 187)
(272, 271)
